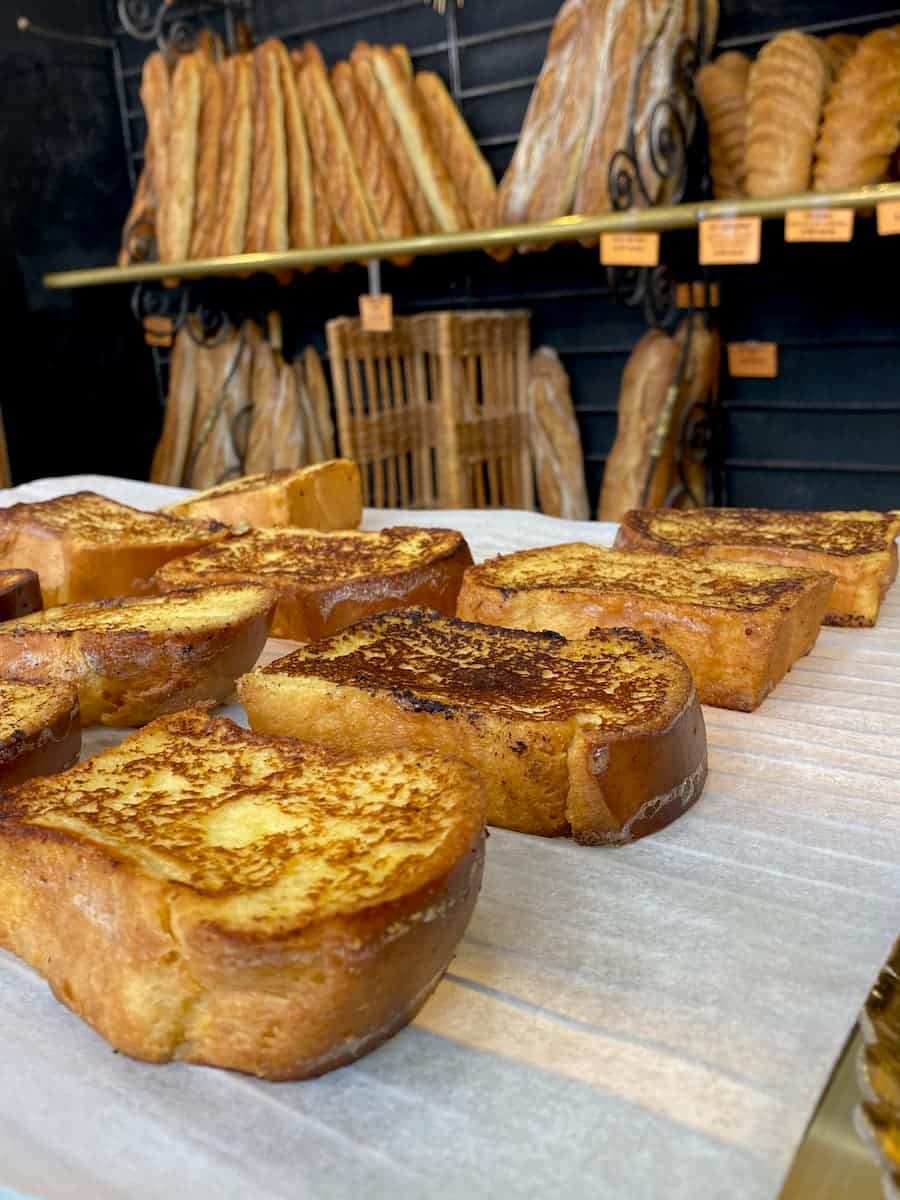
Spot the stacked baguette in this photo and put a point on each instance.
(808, 113)
(268, 150)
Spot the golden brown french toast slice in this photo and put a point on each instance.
(325, 496)
(326, 581)
(858, 548)
(602, 737)
(135, 657)
(738, 626)
(205, 893)
(40, 732)
(86, 547)
(20, 593)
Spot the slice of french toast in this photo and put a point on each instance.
(858, 548)
(602, 737)
(40, 731)
(87, 547)
(136, 657)
(738, 626)
(205, 893)
(20, 593)
(325, 496)
(326, 581)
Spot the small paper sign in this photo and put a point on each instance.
(377, 313)
(697, 295)
(629, 249)
(753, 360)
(888, 217)
(818, 225)
(725, 240)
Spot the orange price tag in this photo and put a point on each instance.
(753, 360)
(888, 217)
(697, 295)
(725, 240)
(819, 225)
(377, 313)
(629, 249)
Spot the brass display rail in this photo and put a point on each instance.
(564, 229)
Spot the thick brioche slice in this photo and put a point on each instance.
(200, 892)
(740, 627)
(86, 547)
(326, 581)
(601, 737)
(134, 658)
(40, 732)
(325, 496)
(857, 548)
(20, 593)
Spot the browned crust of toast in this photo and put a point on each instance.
(20, 593)
(37, 747)
(565, 744)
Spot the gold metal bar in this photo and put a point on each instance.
(563, 229)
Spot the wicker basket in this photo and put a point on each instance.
(435, 412)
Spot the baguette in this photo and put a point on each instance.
(212, 114)
(301, 196)
(332, 152)
(139, 231)
(459, 151)
(361, 62)
(267, 223)
(178, 194)
(233, 207)
(320, 394)
(264, 397)
(839, 47)
(223, 390)
(664, 22)
(446, 207)
(156, 100)
(288, 432)
(555, 439)
(404, 58)
(171, 455)
(722, 91)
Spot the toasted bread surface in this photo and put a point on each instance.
(87, 547)
(40, 731)
(601, 737)
(326, 581)
(20, 593)
(325, 496)
(739, 626)
(202, 892)
(858, 548)
(134, 658)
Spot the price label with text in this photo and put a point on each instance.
(629, 249)
(726, 240)
(819, 225)
(888, 217)
(753, 360)
(697, 295)
(377, 313)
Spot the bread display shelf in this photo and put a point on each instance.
(564, 229)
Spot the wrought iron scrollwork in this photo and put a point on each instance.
(206, 324)
(651, 289)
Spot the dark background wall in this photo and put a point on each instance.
(81, 393)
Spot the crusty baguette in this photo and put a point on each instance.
(703, 13)
(204, 893)
(301, 198)
(40, 730)
(785, 92)
(156, 99)
(739, 626)
(326, 581)
(205, 233)
(861, 127)
(139, 231)
(177, 195)
(387, 201)
(663, 25)
(333, 153)
(722, 91)
(839, 47)
(86, 547)
(223, 391)
(267, 223)
(236, 157)
(320, 394)
(327, 495)
(462, 155)
(288, 430)
(263, 397)
(404, 58)
(135, 658)
(697, 395)
(563, 741)
(447, 208)
(646, 382)
(361, 62)
(555, 439)
(171, 455)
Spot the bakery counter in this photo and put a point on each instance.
(657, 1020)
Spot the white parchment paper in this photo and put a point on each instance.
(655, 1021)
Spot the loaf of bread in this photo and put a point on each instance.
(177, 198)
(139, 231)
(140, 236)
(703, 13)
(698, 390)
(233, 204)
(404, 58)
(301, 200)
(555, 439)
(785, 93)
(267, 224)
(172, 450)
(643, 399)
(288, 430)
(212, 113)
(839, 47)
(721, 88)
(264, 382)
(326, 228)
(222, 391)
(461, 154)
(861, 127)
(663, 28)
(320, 395)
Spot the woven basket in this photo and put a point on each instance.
(435, 412)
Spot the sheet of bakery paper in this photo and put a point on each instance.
(656, 1021)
